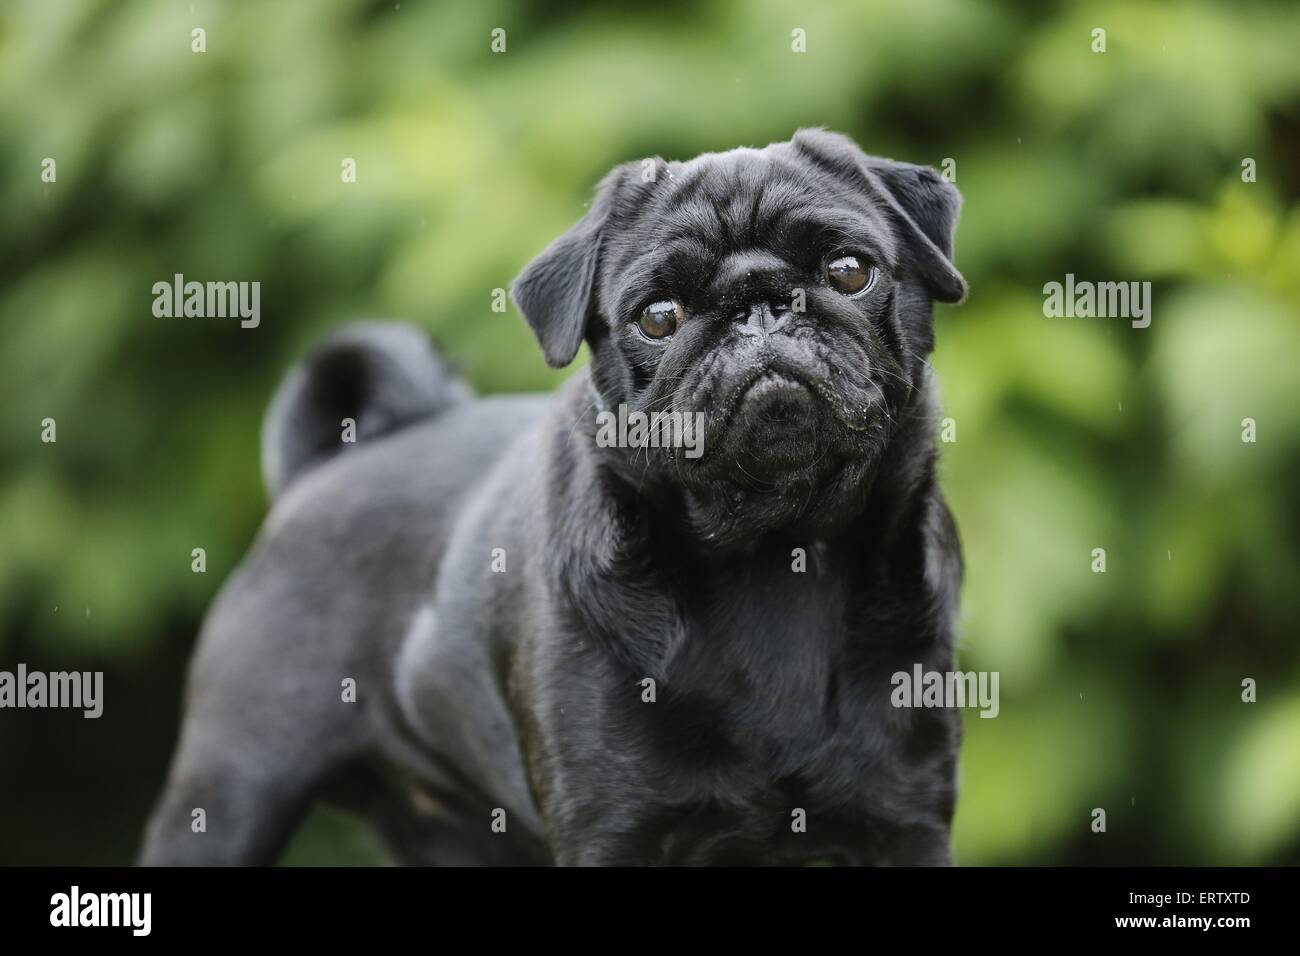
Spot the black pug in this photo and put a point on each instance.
(502, 642)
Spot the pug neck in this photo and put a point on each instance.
(636, 543)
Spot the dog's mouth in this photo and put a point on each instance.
(770, 397)
(779, 425)
(771, 427)
(790, 430)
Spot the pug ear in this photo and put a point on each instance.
(921, 202)
(556, 291)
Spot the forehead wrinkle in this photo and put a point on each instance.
(721, 202)
(701, 222)
(660, 268)
(779, 199)
(685, 188)
(866, 231)
(670, 257)
(754, 205)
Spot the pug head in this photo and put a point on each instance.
(781, 294)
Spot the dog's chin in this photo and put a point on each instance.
(782, 457)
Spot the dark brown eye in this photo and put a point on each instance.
(849, 275)
(659, 319)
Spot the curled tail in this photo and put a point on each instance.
(382, 375)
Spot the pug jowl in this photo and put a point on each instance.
(501, 586)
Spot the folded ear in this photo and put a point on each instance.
(921, 202)
(556, 291)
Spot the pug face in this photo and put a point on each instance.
(783, 294)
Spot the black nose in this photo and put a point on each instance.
(754, 285)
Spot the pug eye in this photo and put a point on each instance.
(849, 275)
(660, 319)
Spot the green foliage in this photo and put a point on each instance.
(1119, 690)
